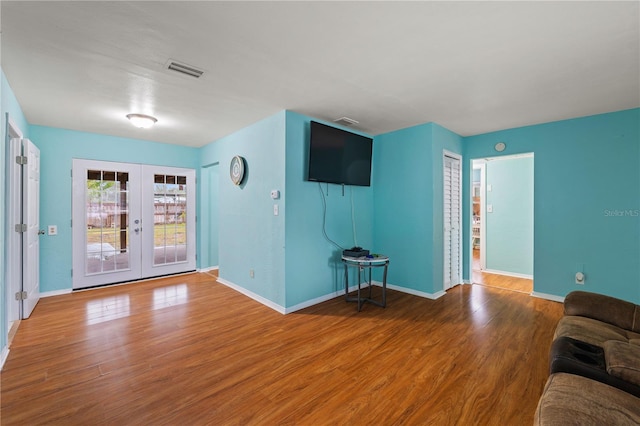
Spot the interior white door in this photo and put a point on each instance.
(106, 209)
(452, 221)
(31, 238)
(13, 251)
(131, 221)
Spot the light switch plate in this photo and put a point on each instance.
(489, 208)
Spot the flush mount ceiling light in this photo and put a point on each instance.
(141, 120)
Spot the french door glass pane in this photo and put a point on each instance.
(170, 213)
(107, 233)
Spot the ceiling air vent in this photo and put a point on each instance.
(184, 69)
(345, 121)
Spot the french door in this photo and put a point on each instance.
(452, 220)
(131, 221)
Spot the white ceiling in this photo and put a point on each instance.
(472, 67)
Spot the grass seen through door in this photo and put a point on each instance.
(163, 234)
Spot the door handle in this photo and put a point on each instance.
(137, 230)
(41, 232)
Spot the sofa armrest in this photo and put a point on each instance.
(603, 308)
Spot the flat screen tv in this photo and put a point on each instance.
(338, 156)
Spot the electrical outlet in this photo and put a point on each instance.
(252, 273)
(52, 230)
(276, 210)
(580, 273)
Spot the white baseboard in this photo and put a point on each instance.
(552, 297)
(432, 296)
(508, 274)
(253, 296)
(55, 292)
(467, 282)
(3, 356)
(340, 293)
(210, 268)
(317, 300)
(279, 308)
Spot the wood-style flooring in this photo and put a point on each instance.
(523, 285)
(187, 350)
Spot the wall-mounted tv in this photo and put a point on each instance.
(338, 156)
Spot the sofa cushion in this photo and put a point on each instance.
(589, 330)
(574, 400)
(623, 360)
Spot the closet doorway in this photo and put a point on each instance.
(502, 222)
(452, 218)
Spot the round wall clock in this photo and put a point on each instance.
(500, 146)
(236, 170)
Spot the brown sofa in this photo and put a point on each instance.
(575, 400)
(594, 365)
(596, 318)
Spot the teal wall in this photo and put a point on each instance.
(249, 235)
(403, 202)
(313, 266)
(58, 147)
(476, 175)
(509, 228)
(408, 203)
(292, 261)
(587, 200)
(8, 105)
(209, 215)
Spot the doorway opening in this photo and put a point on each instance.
(131, 221)
(210, 212)
(501, 221)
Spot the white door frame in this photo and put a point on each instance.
(458, 157)
(141, 216)
(483, 216)
(13, 273)
(483, 205)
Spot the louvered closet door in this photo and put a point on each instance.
(452, 221)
